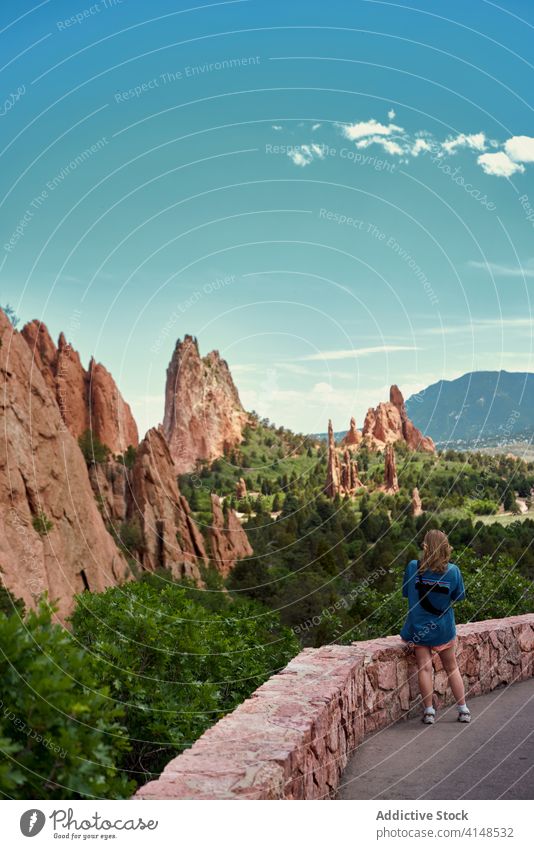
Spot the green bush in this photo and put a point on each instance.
(60, 734)
(92, 449)
(128, 458)
(176, 665)
(42, 524)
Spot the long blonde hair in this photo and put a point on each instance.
(436, 552)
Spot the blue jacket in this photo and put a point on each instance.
(430, 620)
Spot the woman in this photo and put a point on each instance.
(431, 585)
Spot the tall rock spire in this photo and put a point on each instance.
(391, 483)
(333, 472)
(203, 417)
(353, 436)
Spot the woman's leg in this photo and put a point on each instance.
(448, 659)
(423, 657)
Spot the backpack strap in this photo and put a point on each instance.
(424, 590)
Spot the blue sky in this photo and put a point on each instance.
(336, 196)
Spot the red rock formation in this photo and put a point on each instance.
(203, 414)
(52, 536)
(172, 540)
(412, 436)
(86, 399)
(110, 417)
(228, 540)
(111, 487)
(417, 506)
(389, 423)
(391, 483)
(71, 388)
(333, 470)
(350, 482)
(353, 436)
(342, 475)
(241, 488)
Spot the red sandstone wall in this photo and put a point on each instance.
(292, 738)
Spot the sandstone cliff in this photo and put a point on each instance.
(389, 423)
(86, 399)
(203, 414)
(52, 536)
(171, 538)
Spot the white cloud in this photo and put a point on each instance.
(505, 160)
(520, 148)
(388, 145)
(498, 164)
(420, 145)
(356, 353)
(301, 156)
(475, 141)
(369, 128)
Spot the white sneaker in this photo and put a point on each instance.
(464, 715)
(429, 716)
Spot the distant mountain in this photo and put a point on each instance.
(481, 407)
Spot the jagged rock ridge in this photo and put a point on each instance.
(86, 399)
(52, 536)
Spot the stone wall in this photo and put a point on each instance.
(291, 739)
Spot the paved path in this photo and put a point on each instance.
(491, 758)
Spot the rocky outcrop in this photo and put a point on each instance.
(52, 535)
(241, 488)
(228, 540)
(203, 414)
(417, 506)
(391, 483)
(342, 474)
(86, 399)
(349, 480)
(171, 538)
(389, 422)
(353, 437)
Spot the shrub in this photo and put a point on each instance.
(177, 665)
(128, 458)
(60, 734)
(131, 535)
(42, 524)
(92, 449)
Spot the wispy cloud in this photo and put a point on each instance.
(492, 324)
(475, 141)
(356, 353)
(500, 270)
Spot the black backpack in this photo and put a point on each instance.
(425, 589)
